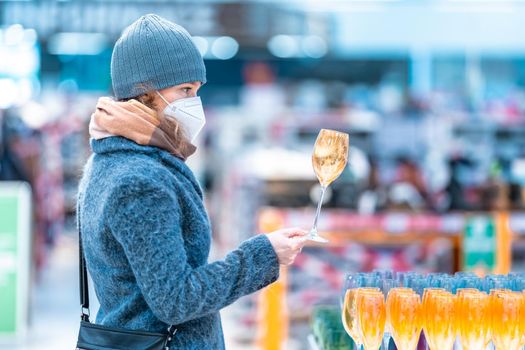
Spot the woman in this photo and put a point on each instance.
(144, 228)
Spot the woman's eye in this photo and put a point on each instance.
(187, 90)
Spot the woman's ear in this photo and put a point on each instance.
(149, 99)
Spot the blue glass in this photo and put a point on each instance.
(408, 278)
(387, 284)
(517, 284)
(510, 282)
(372, 280)
(473, 282)
(462, 274)
(505, 281)
(434, 280)
(418, 284)
(494, 282)
(449, 284)
(384, 273)
(352, 280)
(400, 277)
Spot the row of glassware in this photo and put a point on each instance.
(478, 313)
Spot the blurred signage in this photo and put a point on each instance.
(15, 216)
(479, 244)
(19, 65)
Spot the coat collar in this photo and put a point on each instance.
(115, 144)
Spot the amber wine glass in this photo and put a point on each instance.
(329, 159)
(427, 313)
(522, 320)
(371, 318)
(392, 294)
(506, 327)
(472, 309)
(439, 320)
(349, 313)
(404, 311)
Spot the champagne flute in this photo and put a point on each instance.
(349, 316)
(425, 312)
(392, 293)
(349, 313)
(405, 319)
(492, 292)
(371, 316)
(439, 325)
(472, 313)
(329, 159)
(522, 319)
(507, 307)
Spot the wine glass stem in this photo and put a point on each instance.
(323, 189)
(386, 341)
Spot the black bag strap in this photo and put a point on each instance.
(84, 289)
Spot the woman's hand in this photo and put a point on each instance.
(287, 243)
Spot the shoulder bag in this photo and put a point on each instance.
(97, 337)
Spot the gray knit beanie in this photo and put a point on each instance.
(153, 54)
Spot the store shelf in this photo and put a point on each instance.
(396, 224)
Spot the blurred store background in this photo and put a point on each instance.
(432, 93)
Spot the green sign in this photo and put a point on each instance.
(14, 256)
(479, 244)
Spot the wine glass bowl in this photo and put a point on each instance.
(472, 308)
(405, 319)
(349, 316)
(329, 159)
(330, 155)
(507, 329)
(371, 313)
(350, 313)
(439, 322)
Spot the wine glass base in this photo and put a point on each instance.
(316, 238)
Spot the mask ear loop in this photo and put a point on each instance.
(168, 104)
(162, 97)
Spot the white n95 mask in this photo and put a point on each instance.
(188, 112)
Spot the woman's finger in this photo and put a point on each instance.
(297, 232)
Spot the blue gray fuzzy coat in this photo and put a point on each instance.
(146, 237)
